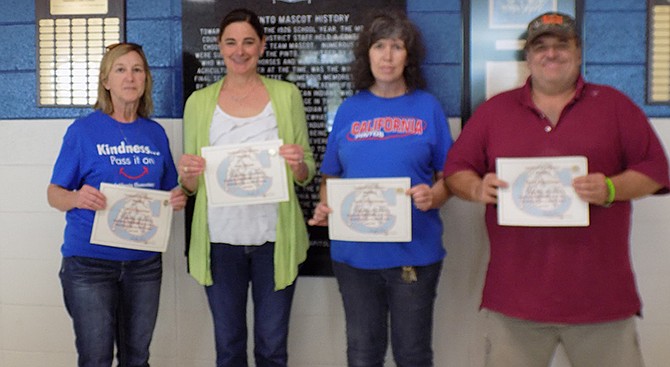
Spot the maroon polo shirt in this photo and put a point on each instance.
(557, 274)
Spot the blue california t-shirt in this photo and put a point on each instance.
(97, 148)
(405, 136)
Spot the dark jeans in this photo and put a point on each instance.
(371, 298)
(112, 302)
(233, 268)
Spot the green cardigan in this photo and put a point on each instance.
(292, 241)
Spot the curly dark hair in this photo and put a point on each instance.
(387, 23)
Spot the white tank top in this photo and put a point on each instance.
(243, 224)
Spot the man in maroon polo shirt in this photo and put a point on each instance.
(561, 285)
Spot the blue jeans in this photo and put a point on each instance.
(233, 268)
(371, 298)
(112, 302)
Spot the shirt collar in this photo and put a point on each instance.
(527, 100)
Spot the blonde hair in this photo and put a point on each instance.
(104, 101)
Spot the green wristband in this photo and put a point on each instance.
(611, 191)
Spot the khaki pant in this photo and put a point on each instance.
(512, 342)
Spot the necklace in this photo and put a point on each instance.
(125, 138)
(240, 98)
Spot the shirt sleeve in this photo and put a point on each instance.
(169, 179)
(468, 153)
(642, 150)
(67, 169)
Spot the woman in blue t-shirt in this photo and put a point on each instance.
(391, 128)
(112, 293)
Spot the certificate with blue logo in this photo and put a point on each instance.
(369, 210)
(540, 192)
(243, 174)
(134, 218)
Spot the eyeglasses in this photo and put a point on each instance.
(134, 46)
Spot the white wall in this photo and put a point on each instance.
(35, 330)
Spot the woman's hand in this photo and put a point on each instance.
(320, 216)
(178, 199)
(293, 154)
(88, 197)
(191, 166)
(427, 197)
(422, 196)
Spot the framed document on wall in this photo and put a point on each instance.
(494, 32)
(71, 40)
(658, 52)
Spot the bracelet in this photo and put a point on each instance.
(611, 192)
(184, 189)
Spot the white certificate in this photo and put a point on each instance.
(369, 210)
(243, 174)
(540, 192)
(138, 219)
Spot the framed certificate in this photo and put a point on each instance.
(243, 174)
(540, 192)
(370, 210)
(138, 219)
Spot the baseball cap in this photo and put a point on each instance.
(557, 24)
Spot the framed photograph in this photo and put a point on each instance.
(540, 192)
(493, 57)
(244, 174)
(138, 219)
(369, 210)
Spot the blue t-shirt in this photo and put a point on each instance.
(405, 136)
(97, 148)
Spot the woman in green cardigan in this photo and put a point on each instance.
(261, 244)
